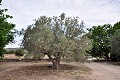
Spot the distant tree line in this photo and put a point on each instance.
(17, 52)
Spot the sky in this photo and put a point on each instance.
(92, 12)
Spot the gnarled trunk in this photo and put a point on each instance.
(55, 61)
(56, 65)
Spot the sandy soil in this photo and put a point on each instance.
(40, 71)
(69, 71)
(104, 71)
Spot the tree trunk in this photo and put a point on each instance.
(107, 57)
(55, 61)
(56, 65)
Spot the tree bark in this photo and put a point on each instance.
(107, 57)
(56, 65)
(55, 61)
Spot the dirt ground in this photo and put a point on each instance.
(104, 71)
(41, 71)
(69, 71)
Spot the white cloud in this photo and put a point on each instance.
(93, 12)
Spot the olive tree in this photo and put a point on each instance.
(115, 45)
(55, 37)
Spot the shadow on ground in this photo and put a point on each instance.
(108, 62)
(41, 71)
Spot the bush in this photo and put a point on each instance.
(19, 52)
(115, 57)
(9, 52)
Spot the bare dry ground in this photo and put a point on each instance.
(40, 71)
(104, 71)
(69, 71)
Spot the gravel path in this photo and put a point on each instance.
(104, 71)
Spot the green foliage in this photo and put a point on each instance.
(6, 33)
(100, 40)
(19, 52)
(80, 52)
(115, 45)
(9, 52)
(116, 26)
(100, 36)
(56, 36)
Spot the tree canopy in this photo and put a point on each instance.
(54, 36)
(100, 40)
(100, 36)
(6, 33)
(115, 46)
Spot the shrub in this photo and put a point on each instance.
(19, 52)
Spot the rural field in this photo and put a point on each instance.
(68, 71)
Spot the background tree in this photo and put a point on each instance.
(116, 26)
(100, 40)
(6, 33)
(100, 36)
(115, 46)
(19, 53)
(54, 36)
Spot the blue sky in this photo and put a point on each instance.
(92, 12)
